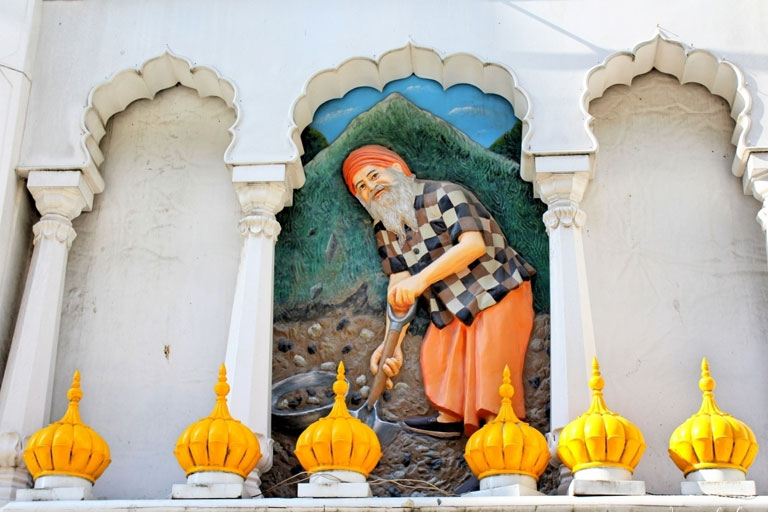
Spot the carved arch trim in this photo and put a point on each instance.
(688, 65)
(457, 68)
(129, 85)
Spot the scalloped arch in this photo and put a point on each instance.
(457, 68)
(688, 65)
(129, 85)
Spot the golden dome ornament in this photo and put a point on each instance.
(713, 449)
(66, 457)
(601, 448)
(507, 455)
(217, 452)
(339, 451)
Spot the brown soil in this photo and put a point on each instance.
(343, 335)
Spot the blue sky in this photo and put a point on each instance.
(483, 117)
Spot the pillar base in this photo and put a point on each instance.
(506, 485)
(12, 480)
(724, 488)
(718, 482)
(210, 485)
(335, 484)
(57, 488)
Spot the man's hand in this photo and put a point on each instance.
(391, 366)
(405, 292)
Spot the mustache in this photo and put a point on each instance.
(378, 188)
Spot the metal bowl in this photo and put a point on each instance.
(296, 421)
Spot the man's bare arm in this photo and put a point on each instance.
(404, 292)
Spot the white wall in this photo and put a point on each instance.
(153, 266)
(270, 51)
(676, 265)
(17, 252)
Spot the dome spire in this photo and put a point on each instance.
(596, 384)
(74, 395)
(506, 392)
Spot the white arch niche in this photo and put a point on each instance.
(724, 80)
(457, 68)
(689, 65)
(61, 195)
(129, 85)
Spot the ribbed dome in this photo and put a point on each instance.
(600, 437)
(218, 442)
(68, 447)
(712, 439)
(506, 445)
(338, 441)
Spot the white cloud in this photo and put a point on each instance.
(468, 110)
(330, 116)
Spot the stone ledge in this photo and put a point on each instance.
(452, 504)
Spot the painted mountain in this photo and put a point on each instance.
(326, 252)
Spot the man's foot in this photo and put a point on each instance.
(430, 426)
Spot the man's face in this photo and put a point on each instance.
(372, 181)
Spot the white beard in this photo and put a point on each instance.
(394, 208)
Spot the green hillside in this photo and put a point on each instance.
(326, 250)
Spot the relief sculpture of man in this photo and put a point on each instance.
(437, 241)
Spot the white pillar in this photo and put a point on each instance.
(25, 396)
(561, 182)
(755, 181)
(249, 345)
(20, 21)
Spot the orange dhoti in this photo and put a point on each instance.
(462, 365)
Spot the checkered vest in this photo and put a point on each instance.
(444, 211)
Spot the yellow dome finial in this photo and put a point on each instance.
(74, 395)
(711, 438)
(596, 382)
(506, 445)
(600, 437)
(218, 442)
(338, 441)
(68, 447)
(506, 391)
(221, 388)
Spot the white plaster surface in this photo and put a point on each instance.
(50, 481)
(493, 481)
(722, 488)
(603, 473)
(206, 491)
(334, 490)
(504, 490)
(149, 288)
(676, 267)
(18, 252)
(606, 488)
(55, 494)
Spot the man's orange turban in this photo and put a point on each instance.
(372, 154)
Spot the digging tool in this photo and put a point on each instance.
(369, 412)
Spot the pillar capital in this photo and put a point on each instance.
(261, 189)
(562, 189)
(60, 194)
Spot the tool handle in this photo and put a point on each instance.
(396, 326)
